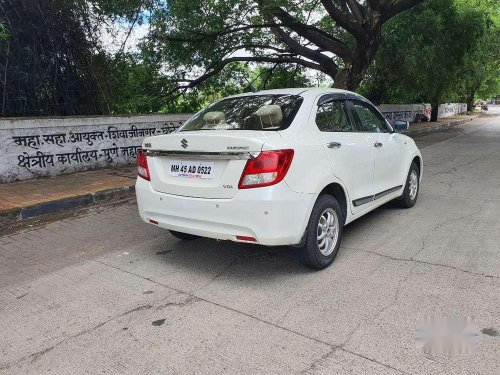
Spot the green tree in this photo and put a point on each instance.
(479, 71)
(51, 61)
(435, 53)
(339, 38)
(279, 76)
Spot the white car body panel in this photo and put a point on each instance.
(268, 215)
(277, 214)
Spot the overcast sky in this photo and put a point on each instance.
(113, 39)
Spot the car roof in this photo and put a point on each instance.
(303, 91)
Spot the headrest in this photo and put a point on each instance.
(270, 114)
(215, 117)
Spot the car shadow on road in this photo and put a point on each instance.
(237, 260)
(372, 216)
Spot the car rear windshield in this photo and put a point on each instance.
(254, 112)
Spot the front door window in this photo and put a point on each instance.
(370, 120)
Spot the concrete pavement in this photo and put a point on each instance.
(100, 291)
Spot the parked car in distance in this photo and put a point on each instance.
(279, 167)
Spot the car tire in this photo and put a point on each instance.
(313, 253)
(412, 187)
(184, 236)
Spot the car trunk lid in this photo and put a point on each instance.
(203, 164)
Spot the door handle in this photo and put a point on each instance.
(378, 144)
(333, 145)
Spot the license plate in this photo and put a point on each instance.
(192, 169)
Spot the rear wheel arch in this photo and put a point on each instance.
(336, 190)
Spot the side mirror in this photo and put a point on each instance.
(400, 126)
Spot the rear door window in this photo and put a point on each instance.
(332, 117)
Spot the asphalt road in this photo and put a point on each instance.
(101, 292)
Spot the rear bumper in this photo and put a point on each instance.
(273, 215)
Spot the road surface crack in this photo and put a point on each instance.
(316, 363)
(35, 356)
(373, 317)
(455, 168)
(374, 361)
(275, 325)
(426, 263)
(442, 224)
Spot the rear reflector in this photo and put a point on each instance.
(269, 168)
(142, 165)
(153, 221)
(245, 238)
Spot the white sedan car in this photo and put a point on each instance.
(280, 167)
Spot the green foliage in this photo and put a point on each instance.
(479, 72)
(50, 62)
(3, 31)
(276, 77)
(231, 81)
(140, 86)
(440, 51)
(135, 85)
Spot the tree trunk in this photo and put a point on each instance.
(350, 77)
(470, 104)
(470, 98)
(435, 109)
(4, 95)
(347, 79)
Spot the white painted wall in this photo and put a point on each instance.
(36, 147)
(405, 112)
(451, 109)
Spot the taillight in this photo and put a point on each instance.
(142, 165)
(267, 169)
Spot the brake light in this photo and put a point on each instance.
(142, 165)
(267, 169)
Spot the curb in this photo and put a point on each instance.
(438, 127)
(70, 203)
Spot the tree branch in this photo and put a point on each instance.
(312, 34)
(393, 8)
(343, 20)
(217, 68)
(229, 30)
(357, 10)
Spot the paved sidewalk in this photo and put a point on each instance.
(445, 123)
(33, 198)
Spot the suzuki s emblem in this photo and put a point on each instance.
(184, 143)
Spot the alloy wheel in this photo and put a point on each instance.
(328, 231)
